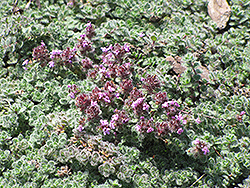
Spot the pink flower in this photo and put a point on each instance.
(51, 64)
(72, 95)
(145, 106)
(179, 117)
(164, 105)
(104, 122)
(180, 130)
(25, 62)
(150, 129)
(80, 128)
(111, 89)
(196, 141)
(112, 125)
(106, 130)
(242, 113)
(141, 35)
(94, 103)
(126, 47)
(115, 117)
(205, 150)
(138, 128)
(137, 102)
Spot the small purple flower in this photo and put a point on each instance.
(88, 24)
(164, 105)
(106, 130)
(70, 4)
(105, 50)
(179, 117)
(141, 34)
(80, 128)
(55, 53)
(197, 120)
(72, 95)
(205, 150)
(112, 125)
(126, 47)
(104, 122)
(115, 117)
(242, 113)
(174, 103)
(111, 89)
(25, 62)
(94, 103)
(106, 99)
(196, 141)
(102, 69)
(179, 131)
(117, 95)
(51, 64)
(116, 52)
(145, 106)
(150, 129)
(137, 102)
(142, 79)
(138, 127)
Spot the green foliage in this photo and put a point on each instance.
(40, 141)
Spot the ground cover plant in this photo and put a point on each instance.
(123, 94)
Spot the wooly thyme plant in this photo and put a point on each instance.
(104, 105)
(220, 114)
(120, 103)
(122, 93)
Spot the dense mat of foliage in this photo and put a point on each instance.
(128, 93)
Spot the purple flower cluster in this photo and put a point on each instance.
(86, 64)
(73, 90)
(83, 101)
(90, 31)
(139, 106)
(113, 58)
(126, 86)
(107, 94)
(56, 57)
(200, 148)
(93, 110)
(239, 117)
(83, 45)
(41, 54)
(67, 56)
(160, 98)
(114, 54)
(117, 121)
(145, 125)
(173, 121)
(106, 127)
(62, 58)
(150, 83)
(25, 63)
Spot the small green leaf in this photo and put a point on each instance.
(153, 38)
